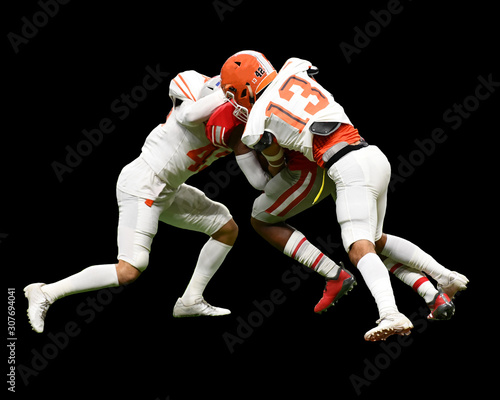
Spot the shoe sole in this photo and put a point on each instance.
(384, 333)
(442, 313)
(351, 282)
(198, 315)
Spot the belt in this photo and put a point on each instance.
(335, 153)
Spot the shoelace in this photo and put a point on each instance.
(387, 316)
(45, 306)
(213, 309)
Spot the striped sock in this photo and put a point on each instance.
(416, 279)
(410, 255)
(301, 250)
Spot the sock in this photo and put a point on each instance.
(210, 259)
(377, 279)
(301, 250)
(92, 278)
(416, 279)
(407, 253)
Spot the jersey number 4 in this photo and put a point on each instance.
(287, 94)
(201, 155)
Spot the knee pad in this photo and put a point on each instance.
(141, 260)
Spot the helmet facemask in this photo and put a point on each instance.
(239, 112)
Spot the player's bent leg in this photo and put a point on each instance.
(440, 305)
(405, 252)
(192, 303)
(126, 272)
(212, 255)
(359, 249)
(339, 281)
(193, 210)
(375, 274)
(227, 234)
(286, 196)
(276, 234)
(294, 244)
(136, 228)
(40, 296)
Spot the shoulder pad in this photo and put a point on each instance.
(186, 85)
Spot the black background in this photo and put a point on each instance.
(396, 89)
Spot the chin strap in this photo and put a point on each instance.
(251, 97)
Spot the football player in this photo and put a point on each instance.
(288, 193)
(293, 190)
(152, 188)
(291, 110)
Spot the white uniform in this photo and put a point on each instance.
(287, 108)
(151, 188)
(177, 149)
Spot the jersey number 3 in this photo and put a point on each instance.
(287, 94)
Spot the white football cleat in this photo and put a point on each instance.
(198, 309)
(38, 305)
(388, 325)
(454, 283)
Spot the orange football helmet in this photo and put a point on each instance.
(243, 76)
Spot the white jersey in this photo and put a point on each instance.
(179, 148)
(291, 103)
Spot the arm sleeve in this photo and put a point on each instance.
(191, 113)
(250, 166)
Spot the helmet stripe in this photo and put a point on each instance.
(260, 58)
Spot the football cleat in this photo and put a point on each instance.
(198, 309)
(38, 306)
(454, 283)
(388, 325)
(442, 308)
(335, 288)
